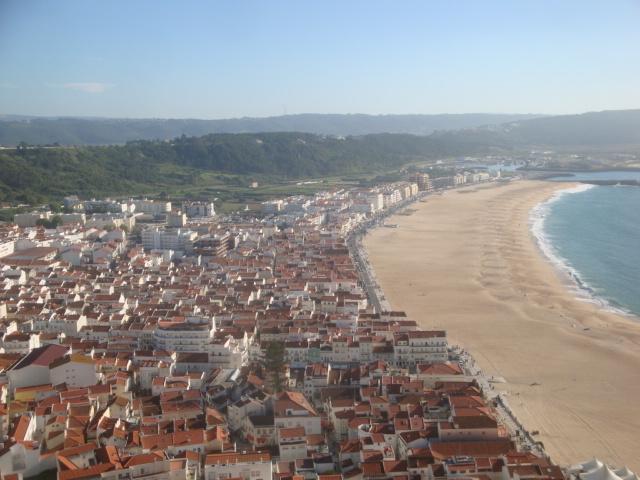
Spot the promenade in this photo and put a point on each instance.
(468, 263)
(525, 439)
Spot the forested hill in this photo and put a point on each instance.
(616, 127)
(102, 131)
(145, 165)
(157, 165)
(608, 128)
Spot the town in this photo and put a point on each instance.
(143, 339)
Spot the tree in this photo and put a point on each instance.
(51, 223)
(22, 147)
(274, 363)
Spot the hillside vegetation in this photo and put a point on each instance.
(152, 166)
(27, 173)
(105, 131)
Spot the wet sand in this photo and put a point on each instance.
(467, 262)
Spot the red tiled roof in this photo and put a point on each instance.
(41, 356)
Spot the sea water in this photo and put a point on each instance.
(593, 234)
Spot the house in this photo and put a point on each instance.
(15, 342)
(33, 368)
(292, 443)
(292, 409)
(260, 430)
(245, 407)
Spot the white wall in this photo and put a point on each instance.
(74, 374)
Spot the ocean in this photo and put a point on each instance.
(593, 234)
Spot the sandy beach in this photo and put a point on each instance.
(467, 263)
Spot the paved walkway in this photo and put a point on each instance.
(375, 295)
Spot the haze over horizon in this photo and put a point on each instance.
(213, 61)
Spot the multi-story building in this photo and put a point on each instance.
(227, 353)
(199, 209)
(247, 466)
(152, 207)
(182, 337)
(160, 239)
(459, 179)
(30, 219)
(292, 409)
(104, 206)
(376, 199)
(7, 247)
(411, 348)
(212, 245)
(442, 182)
(292, 443)
(423, 181)
(272, 206)
(176, 220)
(244, 408)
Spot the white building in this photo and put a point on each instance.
(33, 369)
(70, 218)
(411, 348)
(242, 409)
(292, 443)
(160, 239)
(182, 337)
(75, 370)
(7, 247)
(292, 409)
(111, 220)
(30, 219)
(199, 209)
(227, 353)
(272, 206)
(152, 207)
(248, 466)
(377, 200)
(176, 220)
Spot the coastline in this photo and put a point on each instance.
(471, 264)
(575, 283)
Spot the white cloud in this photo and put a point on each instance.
(88, 87)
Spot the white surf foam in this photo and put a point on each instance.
(580, 288)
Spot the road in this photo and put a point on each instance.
(376, 297)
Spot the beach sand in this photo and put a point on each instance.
(467, 263)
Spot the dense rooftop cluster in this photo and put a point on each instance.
(253, 352)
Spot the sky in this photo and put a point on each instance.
(236, 58)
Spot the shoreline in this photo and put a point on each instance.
(581, 289)
(471, 264)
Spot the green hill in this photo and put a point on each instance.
(52, 172)
(145, 165)
(105, 131)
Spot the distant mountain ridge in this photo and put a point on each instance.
(609, 128)
(104, 131)
(148, 165)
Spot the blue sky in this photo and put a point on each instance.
(218, 59)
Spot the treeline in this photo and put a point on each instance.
(35, 173)
(114, 131)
